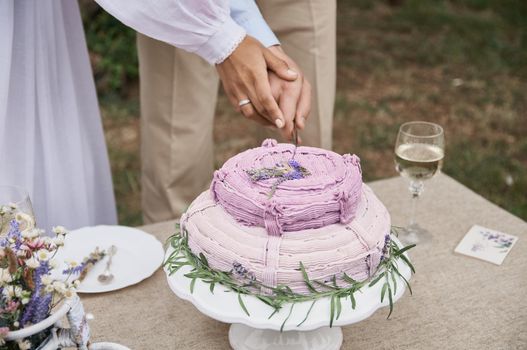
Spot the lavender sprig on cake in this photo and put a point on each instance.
(291, 170)
(326, 187)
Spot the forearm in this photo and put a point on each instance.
(203, 27)
(248, 16)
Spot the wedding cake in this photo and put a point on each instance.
(274, 208)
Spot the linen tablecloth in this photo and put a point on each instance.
(458, 302)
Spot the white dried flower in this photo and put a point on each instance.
(46, 280)
(43, 255)
(49, 288)
(5, 276)
(4, 209)
(25, 301)
(71, 263)
(58, 241)
(26, 221)
(7, 209)
(31, 233)
(59, 230)
(32, 263)
(11, 292)
(60, 287)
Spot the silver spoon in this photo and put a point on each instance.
(107, 276)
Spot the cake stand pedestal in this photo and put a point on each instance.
(248, 338)
(257, 331)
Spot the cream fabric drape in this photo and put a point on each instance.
(51, 137)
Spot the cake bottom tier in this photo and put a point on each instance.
(250, 253)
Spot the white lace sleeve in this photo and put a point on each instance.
(204, 27)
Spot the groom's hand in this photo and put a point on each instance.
(293, 97)
(244, 75)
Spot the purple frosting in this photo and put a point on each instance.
(330, 194)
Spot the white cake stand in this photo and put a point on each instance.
(258, 332)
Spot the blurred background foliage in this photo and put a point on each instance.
(112, 50)
(461, 63)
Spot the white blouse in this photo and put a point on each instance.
(204, 27)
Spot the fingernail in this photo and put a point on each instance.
(279, 123)
(291, 72)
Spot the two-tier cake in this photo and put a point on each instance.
(270, 209)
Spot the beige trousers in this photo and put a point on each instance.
(178, 100)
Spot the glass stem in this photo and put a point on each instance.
(416, 188)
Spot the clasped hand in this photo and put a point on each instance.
(278, 92)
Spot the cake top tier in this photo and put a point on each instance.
(265, 187)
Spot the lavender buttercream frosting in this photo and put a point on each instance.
(354, 248)
(329, 194)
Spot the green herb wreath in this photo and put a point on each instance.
(282, 294)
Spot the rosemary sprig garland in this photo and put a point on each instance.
(387, 272)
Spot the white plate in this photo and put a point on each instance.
(138, 256)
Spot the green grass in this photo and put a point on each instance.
(121, 125)
(460, 63)
(399, 64)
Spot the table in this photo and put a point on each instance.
(458, 302)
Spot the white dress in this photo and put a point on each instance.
(51, 137)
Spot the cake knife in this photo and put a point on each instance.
(295, 139)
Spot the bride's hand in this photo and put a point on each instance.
(244, 75)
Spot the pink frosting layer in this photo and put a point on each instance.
(329, 195)
(354, 248)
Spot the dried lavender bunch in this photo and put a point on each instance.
(292, 170)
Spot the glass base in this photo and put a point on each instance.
(414, 234)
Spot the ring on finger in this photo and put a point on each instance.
(244, 102)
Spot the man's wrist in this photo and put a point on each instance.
(247, 14)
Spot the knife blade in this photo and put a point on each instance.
(295, 140)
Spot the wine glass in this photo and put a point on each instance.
(13, 200)
(419, 152)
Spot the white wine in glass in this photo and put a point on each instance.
(419, 153)
(418, 161)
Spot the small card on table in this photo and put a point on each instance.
(486, 244)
